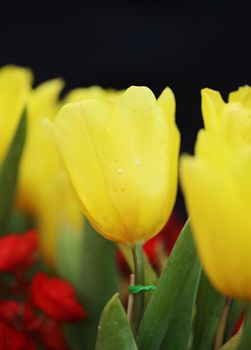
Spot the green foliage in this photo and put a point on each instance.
(164, 302)
(179, 331)
(114, 332)
(235, 311)
(244, 342)
(210, 305)
(98, 280)
(9, 174)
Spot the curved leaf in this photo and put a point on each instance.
(114, 331)
(164, 301)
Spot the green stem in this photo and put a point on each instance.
(138, 299)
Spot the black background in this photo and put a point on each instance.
(185, 45)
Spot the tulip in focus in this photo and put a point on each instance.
(216, 185)
(122, 160)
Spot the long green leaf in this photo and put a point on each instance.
(236, 309)
(179, 332)
(9, 173)
(162, 305)
(114, 332)
(98, 281)
(210, 305)
(245, 338)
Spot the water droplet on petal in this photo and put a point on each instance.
(121, 172)
(138, 161)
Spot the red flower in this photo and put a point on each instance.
(56, 298)
(171, 231)
(10, 339)
(17, 314)
(151, 249)
(18, 251)
(51, 336)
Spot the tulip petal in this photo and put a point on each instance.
(217, 215)
(243, 95)
(15, 84)
(212, 105)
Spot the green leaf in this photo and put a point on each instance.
(19, 222)
(114, 332)
(233, 342)
(210, 305)
(9, 174)
(236, 309)
(164, 301)
(245, 339)
(69, 255)
(178, 334)
(98, 281)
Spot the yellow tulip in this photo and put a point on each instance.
(122, 159)
(15, 85)
(231, 120)
(44, 189)
(217, 188)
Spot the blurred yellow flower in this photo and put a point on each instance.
(15, 85)
(122, 158)
(217, 189)
(44, 189)
(231, 120)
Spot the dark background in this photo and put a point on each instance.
(185, 45)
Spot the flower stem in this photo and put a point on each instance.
(138, 299)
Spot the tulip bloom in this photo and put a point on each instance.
(122, 159)
(216, 185)
(231, 120)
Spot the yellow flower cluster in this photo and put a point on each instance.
(114, 154)
(217, 188)
(120, 149)
(44, 190)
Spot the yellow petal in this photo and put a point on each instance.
(213, 149)
(15, 85)
(243, 95)
(220, 224)
(44, 100)
(166, 102)
(212, 105)
(236, 124)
